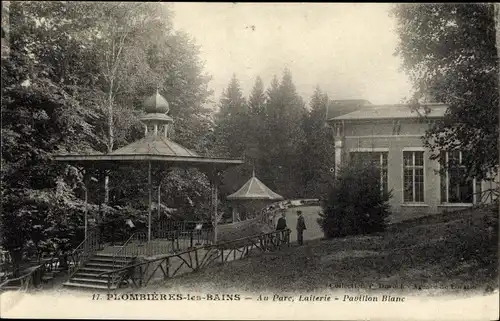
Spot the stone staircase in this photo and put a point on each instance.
(88, 276)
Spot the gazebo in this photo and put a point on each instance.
(251, 197)
(155, 150)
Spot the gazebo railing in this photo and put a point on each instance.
(165, 226)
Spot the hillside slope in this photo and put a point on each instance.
(449, 251)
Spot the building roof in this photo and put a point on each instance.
(393, 112)
(155, 145)
(254, 189)
(341, 107)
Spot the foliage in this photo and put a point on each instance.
(450, 54)
(318, 152)
(74, 81)
(357, 204)
(284, 137)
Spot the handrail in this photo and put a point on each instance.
(82, 252)
(211, 246)
(123, 250)
(124, 246)
(91, 244)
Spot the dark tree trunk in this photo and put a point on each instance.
(16, 257)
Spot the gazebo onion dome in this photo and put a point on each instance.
(156, 104)
(156, 108)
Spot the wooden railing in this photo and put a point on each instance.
(194, 259)
(33, 279)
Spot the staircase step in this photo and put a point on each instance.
(89, 286)
(110, 260)
(89, 275)
(98, 270)
(89, 280)
(104, 265)
(107, 255)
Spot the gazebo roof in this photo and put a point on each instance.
(254, 189)
(154, 147)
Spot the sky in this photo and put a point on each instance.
(347, 49)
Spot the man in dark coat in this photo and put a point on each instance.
(301, 226)
(281, 226)
(281, 222)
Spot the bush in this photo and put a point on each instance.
(355, 205)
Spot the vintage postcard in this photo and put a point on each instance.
(275, 161)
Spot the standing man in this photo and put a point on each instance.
(301, 226)
(281, 226)
(281, 222)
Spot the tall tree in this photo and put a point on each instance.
(450, 54)
(231, 120)
(318, 150)
(257, 99)
(256, 126)
(285, 109)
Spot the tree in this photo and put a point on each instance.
(257, 99)
(41, 114)
(318, 151)
(55, 98)
(356, 204)
(450, 54)
(284, 136)
(231, 132)
(256, 127)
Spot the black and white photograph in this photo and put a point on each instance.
(248, 161)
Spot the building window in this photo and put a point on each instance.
(456, 186)
(413, 177)
(379, 159)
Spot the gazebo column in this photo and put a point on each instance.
(235, 214)
(150, 187)
(86, 180)
(214, 184)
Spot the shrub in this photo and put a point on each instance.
(356, 203)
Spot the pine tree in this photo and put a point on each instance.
(318, 150)
(257, 99)
(230, 120)
(257, 127)
(285, 110)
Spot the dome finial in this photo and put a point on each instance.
(156, 104)
(253, 171)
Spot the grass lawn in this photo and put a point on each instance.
(451, 251)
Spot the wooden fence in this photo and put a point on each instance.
(33, 279)
(139, 274)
